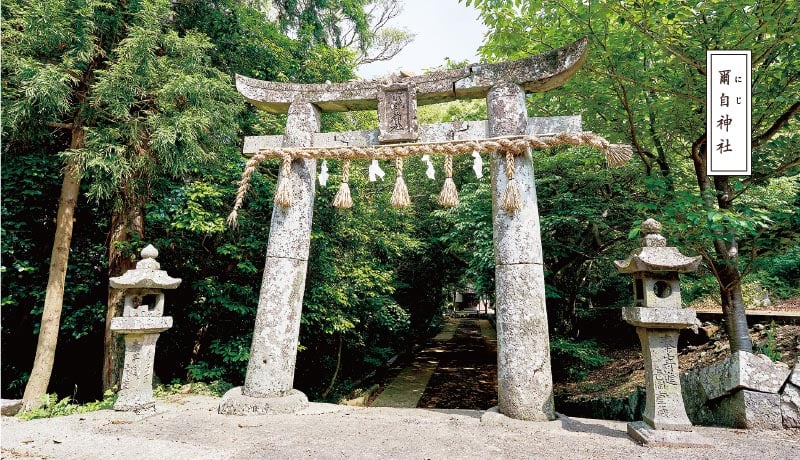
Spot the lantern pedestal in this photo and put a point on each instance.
(136, 393)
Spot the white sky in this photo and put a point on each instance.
(443, 28)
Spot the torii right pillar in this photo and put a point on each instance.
(524, 378)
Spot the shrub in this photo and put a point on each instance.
(572, 360)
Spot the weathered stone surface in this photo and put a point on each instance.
(664, 409)
(743, 370)
(795, 375)
(236, 403)
(658, 259)
(517, 235)
(525, 382)
(136, 385)
(140, 324)
(436, 132)
(790, 406)
(146, 275)
(751, 409)
(524, 379)
(494, 417)
(659, 318)
(290, 229)
(649, 437)
(699, 409)
(10, 407)
(397, 112)
(273, 352)
(537, 73)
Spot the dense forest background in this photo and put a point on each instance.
(130, 104)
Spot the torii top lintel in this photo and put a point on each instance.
(535, 74)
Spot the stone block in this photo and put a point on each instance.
(236, 403)
(664, 408)
(10, 407)
(136, 385)
(659, 318)
(751, 409)
(140, 324)
(743, 370)
(790, 405)
(794, 377)
(649, 437)
(697, 405)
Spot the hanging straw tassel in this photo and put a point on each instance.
(244, 185)
(449, 195)
(400, 197)
(283, 196)
(511, 200)
(343, 200)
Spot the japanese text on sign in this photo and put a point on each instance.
(728, 113)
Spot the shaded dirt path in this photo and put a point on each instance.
(466, 377)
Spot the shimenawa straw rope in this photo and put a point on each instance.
(616, 154)
(449, 194)
(343, 200)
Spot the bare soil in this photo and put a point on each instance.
(191, 428)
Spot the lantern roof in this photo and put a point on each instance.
(655, 255)
(146, 275)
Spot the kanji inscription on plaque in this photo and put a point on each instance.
(397, 113)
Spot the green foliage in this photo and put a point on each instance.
(780, 274)
(215, 388)
(769, 347)
(643, 83)
(585, 209)
(572, 360)
(331, 22)
(164, 125)
(54, 407)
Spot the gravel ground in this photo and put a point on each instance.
(188, 427)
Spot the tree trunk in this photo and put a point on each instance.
(730, 290)
(724, 265)
(54, 296)
(126, 222)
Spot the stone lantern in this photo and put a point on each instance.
(141, 323)
(658, 317)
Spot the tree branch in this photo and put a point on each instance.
(54, 124)
(779, 123)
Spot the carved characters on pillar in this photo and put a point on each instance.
(397, 113)
(665, 376)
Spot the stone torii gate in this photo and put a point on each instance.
(524, 375)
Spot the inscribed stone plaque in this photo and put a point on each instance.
(397, 113)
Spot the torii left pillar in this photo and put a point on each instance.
(270, 371)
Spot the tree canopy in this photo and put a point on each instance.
(644, 84)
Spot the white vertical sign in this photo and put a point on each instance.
(728, 113)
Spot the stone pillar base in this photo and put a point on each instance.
(645, 434)
(135, 405)
(675, 423)
(236, 403)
